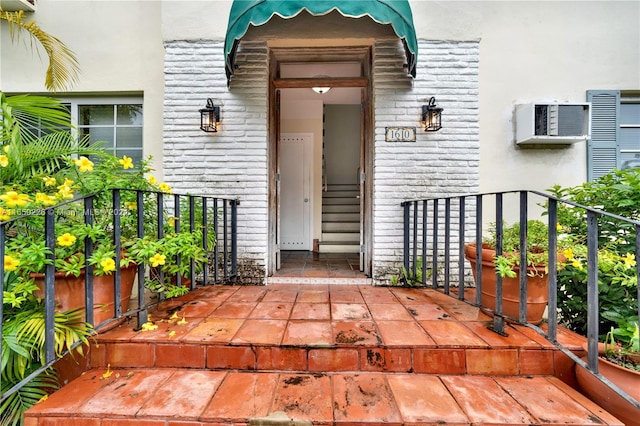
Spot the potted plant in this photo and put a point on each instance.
(619, 361)
(507, 264)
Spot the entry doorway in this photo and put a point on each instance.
(326, 218)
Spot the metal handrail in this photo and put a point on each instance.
(220, 214)
(423, 241)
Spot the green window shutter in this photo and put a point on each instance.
(603, 153)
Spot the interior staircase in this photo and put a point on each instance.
(328, 355)
(340, 219)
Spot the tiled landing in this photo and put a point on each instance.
(330, 354)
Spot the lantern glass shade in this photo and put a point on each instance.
(210, 117)
(431, 116)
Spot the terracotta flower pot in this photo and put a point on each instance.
(537, 287)
(70, 294)
(626, 379)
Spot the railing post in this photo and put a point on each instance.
(461, 226)
(205, 242)
(225, 246)
(414, 250)
(117, 241)
(434, 251)
(524, 216)
(160, 232)
(592, 290)
(498, 320)
(216, 250)
(553, 271)
(49, 285)
(176, 225)
(423, 255)
(142, 316)
(192, 227)
(234, 238)
(479, 250)
(88, 268)
(405, 251)
(447, 242)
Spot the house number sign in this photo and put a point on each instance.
(400, 134)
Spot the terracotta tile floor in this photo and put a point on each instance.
(316, 267)
(331, 354)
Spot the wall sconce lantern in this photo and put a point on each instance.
(210, 117)
(431, 116)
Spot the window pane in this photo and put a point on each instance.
(129, 115)
(95, 114)
(630, 113)
(99, 134)
(129, 137)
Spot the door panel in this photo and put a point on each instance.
(295, 196)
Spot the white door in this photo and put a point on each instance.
(295, 195)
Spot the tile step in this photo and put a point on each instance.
(199, 397)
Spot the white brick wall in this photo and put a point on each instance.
(438, 164)
(233, 162)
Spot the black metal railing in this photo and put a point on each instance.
(437, 230)
(147, 213)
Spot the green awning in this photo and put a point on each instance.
(396, 13)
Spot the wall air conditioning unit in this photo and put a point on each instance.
(552, 123)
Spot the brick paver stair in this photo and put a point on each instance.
(289, 354)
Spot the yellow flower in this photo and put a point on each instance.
(11, 263)
(108, 265)
(4, 160)
(577, 264)
(67, 183)
(65, 192)
(5, 214)
(559, 227)
(182, 321)
(148, 326)
(157, 259)
(13, 199)
(66, 240)
(629, 260)
(172, 333)
(49, 181)
(107, 373)
(568, 253)
(152, 179)
(6, 149)
(130, 205)
(45, 199)
(127, 163)
(165, 188)
(172, 221)
(84, 164)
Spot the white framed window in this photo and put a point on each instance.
(115, 122)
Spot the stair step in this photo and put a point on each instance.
(341, 208)
(206, 397)
(339, 247)
(340, 194)
(331, 354)
(343, 187)
(352, 237)
(340, 226)
(330, 201)
(341, 217)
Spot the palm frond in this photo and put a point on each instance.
(63, 68)
(13, 408)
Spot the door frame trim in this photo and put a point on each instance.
(283, 55)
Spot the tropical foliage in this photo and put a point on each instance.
(63, 68)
